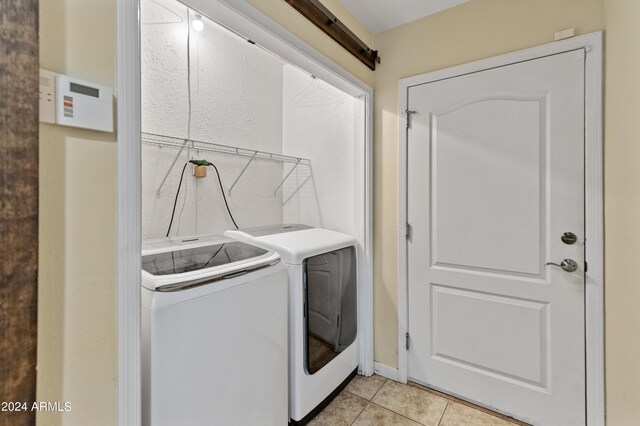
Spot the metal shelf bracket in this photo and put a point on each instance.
(286, 177)
(243, 170)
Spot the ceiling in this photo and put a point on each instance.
(382, 15)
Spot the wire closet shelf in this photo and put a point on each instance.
(181, 143)
(174, 142)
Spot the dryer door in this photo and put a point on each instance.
(331, 290)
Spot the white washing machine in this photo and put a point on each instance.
(323, 339)
(214, 333)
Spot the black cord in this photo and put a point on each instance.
(175, 202)
(212, 257)
(223, 196)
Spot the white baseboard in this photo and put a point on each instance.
(385, 371)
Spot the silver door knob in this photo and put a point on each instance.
(567, 265)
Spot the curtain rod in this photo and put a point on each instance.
(322, 17)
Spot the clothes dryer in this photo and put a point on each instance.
(323, 338)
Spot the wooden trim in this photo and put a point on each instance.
(129, 213)
(385, 371)
(322, 18)
(594, 226)
(403, 305)
(594, 207)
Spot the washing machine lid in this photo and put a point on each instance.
(171, 265)
(294, 246)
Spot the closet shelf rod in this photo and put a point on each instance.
(174, 142)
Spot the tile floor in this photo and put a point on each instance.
(376, 401)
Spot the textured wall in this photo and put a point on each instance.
(622, 211)
(236, 100)
(18, 206)
(77, 340)
(236, 87)
(324, 194)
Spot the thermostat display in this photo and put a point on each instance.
(83, 104)
(78, 103)
(84, 90)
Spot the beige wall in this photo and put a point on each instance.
(77, 342)
(622, 211)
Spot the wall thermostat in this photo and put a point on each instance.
(70, 101)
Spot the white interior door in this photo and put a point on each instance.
(495, 177)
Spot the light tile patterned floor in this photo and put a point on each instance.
(376, 401)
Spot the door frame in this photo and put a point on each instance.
(243, 18)
(594, 213)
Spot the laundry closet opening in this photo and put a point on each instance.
(255, 199)
(288, 146)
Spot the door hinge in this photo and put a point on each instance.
(408, 231)
(586, 267)
(406, 344)
(407, 115)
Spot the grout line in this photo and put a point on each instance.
(446, 407)
(383, 383)
(399, 414)
(355, 394)
(360, 413)
(393, 411)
